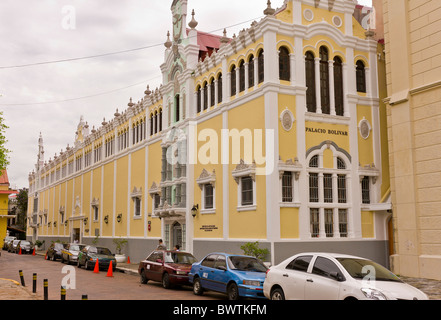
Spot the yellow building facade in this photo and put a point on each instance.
(413, 40)
(277, 135)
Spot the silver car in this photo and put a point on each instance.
(70, 253)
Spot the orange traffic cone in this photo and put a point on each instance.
(128, 260)
(97, 267)
(110, 271)
(19, 251)
(33, 252)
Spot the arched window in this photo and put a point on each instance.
(156, 122)
(233, 81)
(361, 76)
(338, 86)
(261, 66)
(324, 80)
(160, 120)
(177, 108)
(284, 64)
(152, 127)
(219, 88)
(311, 101)
(205, 96)
(241, 76)
(251, 72)
(198, 103)
(212, 92)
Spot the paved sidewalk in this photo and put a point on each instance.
(12, 290)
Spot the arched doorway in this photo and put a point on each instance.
(176, 235)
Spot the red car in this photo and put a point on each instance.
(168, 267)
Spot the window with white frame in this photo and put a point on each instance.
(289, 173)
(207, 184)
(208, 199)
(136, 196)
(328, 194)
(245, 177)
(137, 206)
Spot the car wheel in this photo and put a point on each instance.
(166, 281)
(277, 294)
(197, 287)
(233, 292)
(144, 279)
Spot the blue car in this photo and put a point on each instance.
(236, 275)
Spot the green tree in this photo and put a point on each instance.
(4, 153)
(22, 207)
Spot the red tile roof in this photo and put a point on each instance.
(4, 178)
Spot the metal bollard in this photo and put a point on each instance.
(20, 272)
(63, 293)
(84, 297)
(34, 283)
(46, 287)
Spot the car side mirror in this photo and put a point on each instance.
(222, 268)
(337, 276)
(159, 260)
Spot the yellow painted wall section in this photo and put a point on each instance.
(289, 223)
(317, 132)
(138, 181)
(328, 159)
(107, 209)
(85, 205)
(367, 224)
(247, 224)
(154, 169)
(209, 158)
(287, 139)
(96, 194)
(122, 172)
(3, 221)
(365, 147)
(321, 15)
(77, 195)
(286, 15)
(56, 212)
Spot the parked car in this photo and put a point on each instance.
(25, 246)
(69, 254)
(54, 251)
(168, 267)
(236, 275)
(13, 246)
(327, 276)
(89, 254)
(7, 241)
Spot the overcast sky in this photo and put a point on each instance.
(35, 31)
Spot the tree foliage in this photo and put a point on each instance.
(4, 153)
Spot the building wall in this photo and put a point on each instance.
(264, 115)
(413, 39)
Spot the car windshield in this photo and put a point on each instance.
(366, 269)
(179, 257)
(103, 251)
(76, 247)
(242, 263)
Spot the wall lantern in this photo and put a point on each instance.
(119, 217)
(85, 221)
(106, 219)
(194, 210)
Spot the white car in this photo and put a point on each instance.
(330, 276)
